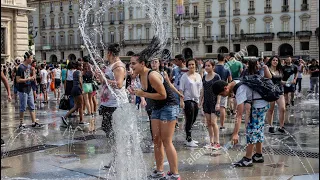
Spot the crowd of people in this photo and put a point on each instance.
(166, 89)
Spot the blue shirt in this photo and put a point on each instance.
(223, 71)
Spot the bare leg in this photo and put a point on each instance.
(270, 113)
(210, 127)
(215, 128)
(249, 151)
(167, 131)
(282, 110)
(222, 115)
(158, 146)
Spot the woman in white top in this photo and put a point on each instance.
(57, 80)
(190, 87)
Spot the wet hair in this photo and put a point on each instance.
(231, 54)
(218, 86)
(180, 57)
(27, 55)
(149, 52)
(114, 49)
(70, 65)
(211, 61)
(220, 57)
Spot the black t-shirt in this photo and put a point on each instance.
(288, 71)
(24, 73)
(312, 68)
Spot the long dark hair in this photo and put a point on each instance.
(252, 67)
(149, 52)
(279, 66)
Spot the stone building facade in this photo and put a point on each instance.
(14, 29)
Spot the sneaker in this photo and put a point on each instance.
(2, 143)
(209, 146)
(191, 144)
(244, 162)
(157, 174)
(282, 130)
(292, 103)
(216, 146)
(37, 125)
(171, 176)
(222, 128)
(177, 126)
(197, 142)
(271, 130)
(257, 158)
(64, 120)
(22, 126)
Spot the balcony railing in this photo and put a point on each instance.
(195, 16)
(304, 7)
(222, 13)
(193, 39)
(9, 2)
(251, 11)
(304, 34)
(285, 35)
(285, 8)
(207, 39)
(222, 38)
(235, 37)
(186, 16)
(267, 10)
(257, 36)
(208, 14)
(236, 12)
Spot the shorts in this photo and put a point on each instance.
(289, 89)
(255, 127)
(57, 83)
(43, 88)
(87, 87)
(26, 99)
(34, 86)
(224, 101)
(76, 91)
(166, 113)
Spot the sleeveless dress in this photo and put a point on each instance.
(210, 99)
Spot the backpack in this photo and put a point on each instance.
(263, 86)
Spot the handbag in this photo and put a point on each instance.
(95, 86)
(52, 86)
(64, 103)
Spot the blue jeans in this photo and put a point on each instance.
(26, 99)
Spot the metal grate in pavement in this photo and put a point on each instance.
(90, 137)
(288, 152)
(26, 150)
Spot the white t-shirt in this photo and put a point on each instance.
(244, 93)
(191, 89)
(44, 76)
(57, 73)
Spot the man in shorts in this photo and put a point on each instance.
(255, 126)
(289, 69)
(225, 75)
(57, 80)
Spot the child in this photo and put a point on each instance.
(255, 126)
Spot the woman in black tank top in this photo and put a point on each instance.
(164, 114)
(277, 74)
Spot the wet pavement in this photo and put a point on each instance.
(56, 152)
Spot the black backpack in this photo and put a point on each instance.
(264, 86)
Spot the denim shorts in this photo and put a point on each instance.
(26, 99)
(167, 113)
